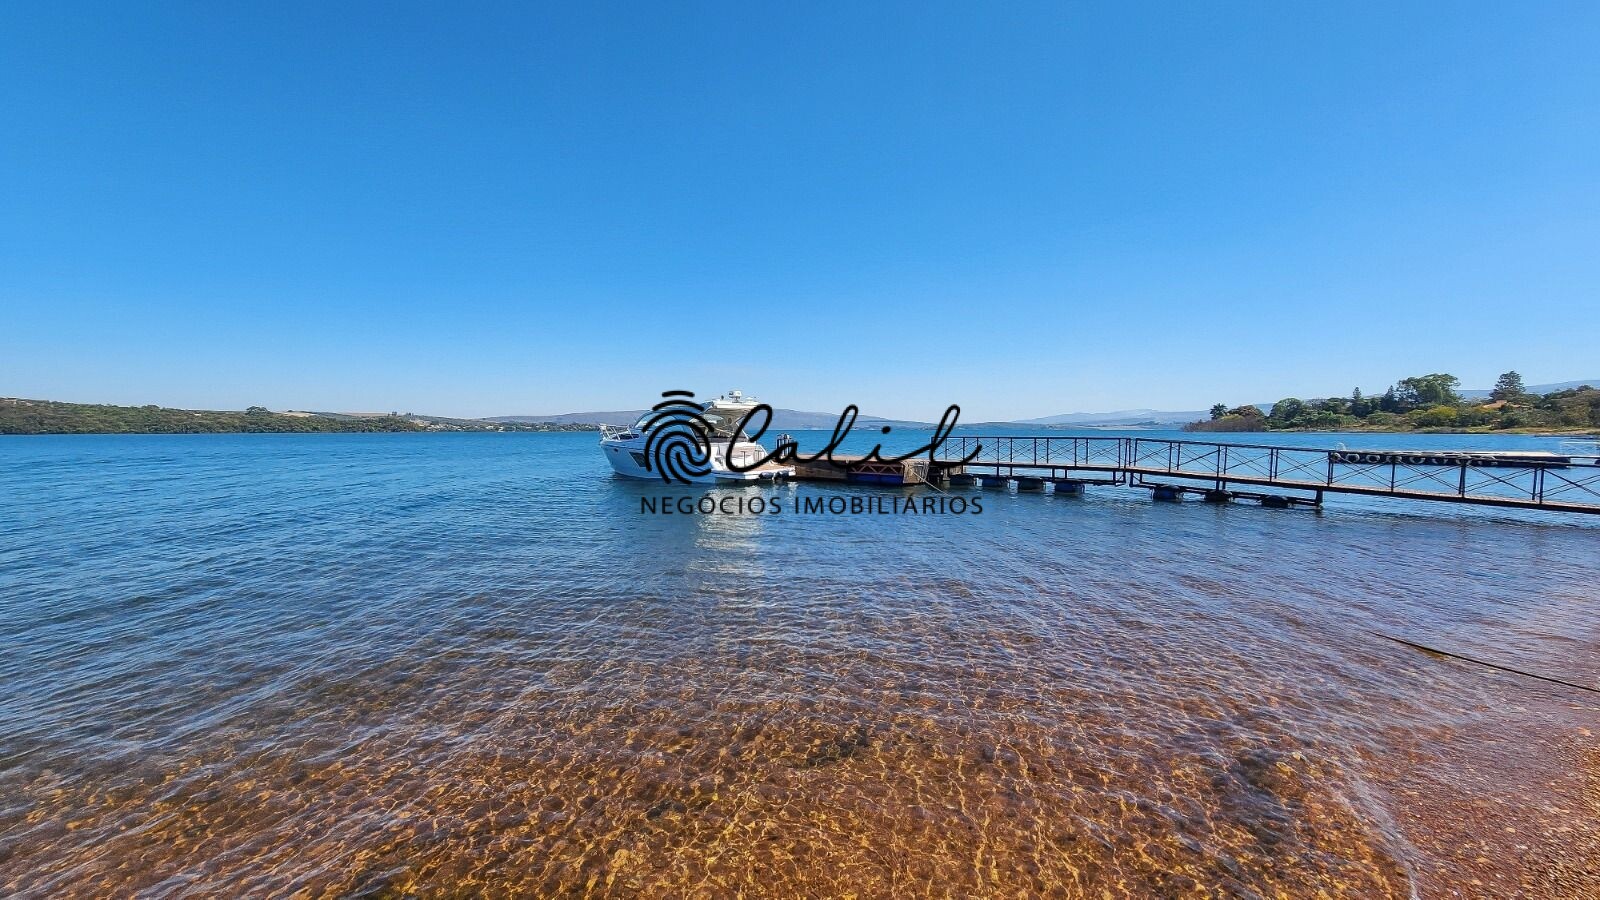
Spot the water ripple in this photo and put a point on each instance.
(415, 664)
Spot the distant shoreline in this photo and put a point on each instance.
(49, 417)
(568, 430)
(39, 417)
(1523, 432)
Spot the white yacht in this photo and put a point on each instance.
(690, 441)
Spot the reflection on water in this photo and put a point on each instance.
(396, 664)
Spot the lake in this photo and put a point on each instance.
(467, 663)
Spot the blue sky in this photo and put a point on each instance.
(476, 209)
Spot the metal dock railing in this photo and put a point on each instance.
(1558, 483)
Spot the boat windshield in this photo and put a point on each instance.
(721, 421)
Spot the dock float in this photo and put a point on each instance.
(853, 470)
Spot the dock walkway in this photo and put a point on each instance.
(1277, 476)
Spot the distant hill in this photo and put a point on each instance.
(452, 423)
(782, 419)
(616, 417)
(1165, 417)
(1119, 417)
(1540, 388)
(20, 416)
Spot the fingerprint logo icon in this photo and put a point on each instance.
(677, 439)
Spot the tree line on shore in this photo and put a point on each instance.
(52, 417)
(1420, 402)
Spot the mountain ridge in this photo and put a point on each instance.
(1115, 417)
(782, 419)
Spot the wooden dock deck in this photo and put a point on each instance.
(852, 469)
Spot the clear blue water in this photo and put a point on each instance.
(421, 663)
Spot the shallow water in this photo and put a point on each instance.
(395, 664)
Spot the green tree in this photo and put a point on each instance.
(1335, 405)
(1572, 408)
(1509, 387)
(1420, 391)
(1436, 417)
(1287, 410)
(1218, 411)
(1360, 406)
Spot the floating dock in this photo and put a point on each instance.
(854, 470)
(1273, 476)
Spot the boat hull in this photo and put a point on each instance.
(628, 460)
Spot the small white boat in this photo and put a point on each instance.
(681, 440)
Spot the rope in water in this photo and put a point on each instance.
(1490, 665)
